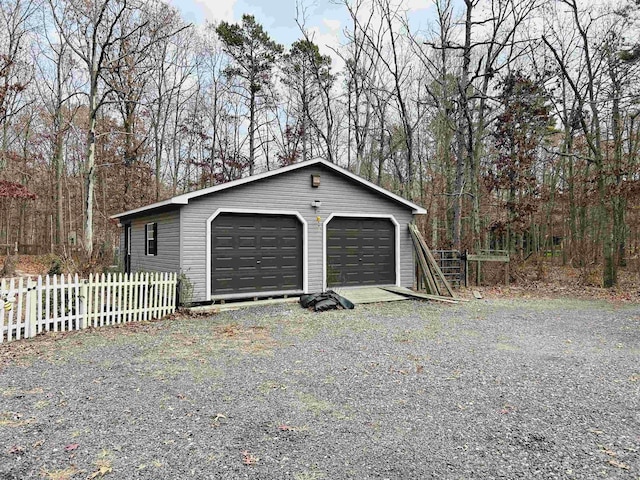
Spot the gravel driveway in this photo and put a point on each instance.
(487, 389)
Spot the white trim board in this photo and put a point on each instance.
(184, 199)
(305, 242)
(359, 215)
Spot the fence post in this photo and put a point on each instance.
(83, 305)
(175, 298)
(32, 302)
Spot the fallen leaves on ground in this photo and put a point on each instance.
(617, 464)
(101, 472)
(31, 265)
(16, 450)
(216, 420)
(248, 458)
(103, 465)
(507, 409)
(64, 474)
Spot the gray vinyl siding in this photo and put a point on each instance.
(290, 191)
(168, 257)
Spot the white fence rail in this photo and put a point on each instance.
(61, 303)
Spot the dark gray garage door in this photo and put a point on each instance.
(360, 251)
(253, 253)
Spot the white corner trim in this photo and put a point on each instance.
(359, 215)
(305, 241)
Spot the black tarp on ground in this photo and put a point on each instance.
(328, 300)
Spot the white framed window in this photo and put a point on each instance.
(151, 238)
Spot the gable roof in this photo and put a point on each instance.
(184, 198)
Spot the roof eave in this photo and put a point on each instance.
(171, 201)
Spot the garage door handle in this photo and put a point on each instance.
(258, 261)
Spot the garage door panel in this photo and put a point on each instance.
(252, 253)
(360, 251)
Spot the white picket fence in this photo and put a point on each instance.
(62, 303)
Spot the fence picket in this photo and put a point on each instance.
(62, 314)
(30, 310)
(143, 300)
(117, 287)
(115, 311)
(101, 282)
(156, 289)
(47, 308)
(120, 299)
(10, 314)
(90, 301)
(72, 301)
(148, 296)
(4, 293)
(160, 294)
(76, 301)
(167, 294)
(64, 303)
(54, 314)
(126, 298)
(72, 313)
(38, 300)
(96, 300)
(163, 293)
(107, 301)
(95, 310)
(172, 292)
(132, 297)
(152, 296)
(87, 303)
(19, 295)
(139, 295)
(114, 298)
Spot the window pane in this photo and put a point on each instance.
(151, 241)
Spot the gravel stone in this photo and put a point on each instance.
(486, 389)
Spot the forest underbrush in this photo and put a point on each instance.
(544, 278)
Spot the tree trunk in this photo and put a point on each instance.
(252, 129)
(58, 169)
(89, 169)
(463, 128)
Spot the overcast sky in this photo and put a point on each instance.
(325, 21)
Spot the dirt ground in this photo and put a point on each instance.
(496, 388)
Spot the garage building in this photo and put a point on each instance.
(299, 229)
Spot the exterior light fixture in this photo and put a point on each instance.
(316, 204)
(315, 180)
